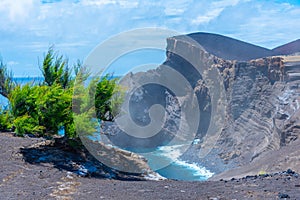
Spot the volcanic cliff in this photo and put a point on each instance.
(247, 98)
(261, 123)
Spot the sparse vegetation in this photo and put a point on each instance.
(262, 172)
(7, 83)
(55, 69)
(43, 109)
(108, 98)
(5, 119)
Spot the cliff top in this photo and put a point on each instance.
(289, 48)
(232, 49)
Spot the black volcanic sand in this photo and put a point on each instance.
(22, 179)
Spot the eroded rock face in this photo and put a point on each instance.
(262, 102)
(247, 98)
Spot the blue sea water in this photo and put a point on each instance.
(24, 80)
(182, 170)
(176, 169)
(166, 161)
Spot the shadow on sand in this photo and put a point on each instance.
(78, 160)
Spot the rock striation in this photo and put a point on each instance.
(236, 105)
(247, 98)
(262, 92)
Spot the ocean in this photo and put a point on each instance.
(177, 169)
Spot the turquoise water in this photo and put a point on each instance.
(181, 170)
(166, 161)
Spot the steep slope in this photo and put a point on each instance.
(262, 107)
(289, 48)
(229, 48)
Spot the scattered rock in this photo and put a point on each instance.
(289, 171)
(283, 196)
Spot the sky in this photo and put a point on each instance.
(75, 27)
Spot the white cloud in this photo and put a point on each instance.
(97, 2)
(12, 62)
(173, 11)
(212, 11)
(29, 27)
(176, 7)
(207, 17)
(128, 4)
(225, 3)
(16, 10)
(273, 25)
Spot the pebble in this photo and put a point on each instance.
(283, 196)
(289, 171)
(69, 175)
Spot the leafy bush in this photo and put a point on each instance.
(22, 100)
(108, 98)
(55, 69)
(46, 108)
(27, 124)
(5, 120)
(101, 99)
(42, 109)
(54, 106)
(6, 80)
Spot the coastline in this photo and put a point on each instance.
(21, 179)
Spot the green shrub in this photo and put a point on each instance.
(54, 106)
(6, 80)
(108, 98)
(101, 99)
(27, 124)
(23, 100)
(44, 109)
(262, 172)
(55, 70)
(5, 120)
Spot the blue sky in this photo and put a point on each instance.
(76, 27)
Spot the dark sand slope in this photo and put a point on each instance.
(289, 48)
(45, 180)
(228, 48)
(232, 49)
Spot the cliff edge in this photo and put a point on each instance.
(261, 123)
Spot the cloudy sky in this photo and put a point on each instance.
(75, 27)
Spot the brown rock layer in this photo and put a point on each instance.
(262, 103)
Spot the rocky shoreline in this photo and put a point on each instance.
(29, 170)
